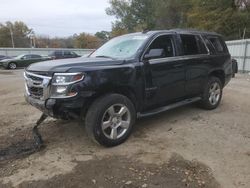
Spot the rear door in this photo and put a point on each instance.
(164, 76)
(196, 57)
(35, 58)
(26, 60)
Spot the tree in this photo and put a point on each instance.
(84, 40)
(171, 13)
(132, 15)
(221, 16)
(138, 15)
(226, 17)
(18, 31)
(103, 35)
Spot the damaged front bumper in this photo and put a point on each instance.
(59, 108)
(45, 106)
(38, 95)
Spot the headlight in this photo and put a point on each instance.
(66, 78)
(62, 82)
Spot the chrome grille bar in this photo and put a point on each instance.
(37, 86)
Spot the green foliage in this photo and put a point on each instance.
(222, 16)
(84, 40)
(103, 35)
(18, 30)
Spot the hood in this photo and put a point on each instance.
(6, 60)
(64, 65)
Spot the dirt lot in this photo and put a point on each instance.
(185, 147)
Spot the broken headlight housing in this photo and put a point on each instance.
(62, 83)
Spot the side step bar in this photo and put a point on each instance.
(168, 107)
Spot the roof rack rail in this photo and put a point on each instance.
(145, 31)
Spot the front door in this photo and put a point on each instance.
(165, 75)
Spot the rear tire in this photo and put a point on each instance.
(212, 94)
(110, 119)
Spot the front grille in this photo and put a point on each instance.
(34, 78)
(37, 86)
(36, 92)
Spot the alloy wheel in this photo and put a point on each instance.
(116, 121)
(214, 93)
(12, 66)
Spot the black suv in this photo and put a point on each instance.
(132, 76)
(63, 54)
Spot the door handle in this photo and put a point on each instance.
(205, 61)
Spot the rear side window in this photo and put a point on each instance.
(217, 44)
(35, 56)
(193, 44)
(67, 53)
(59, 53)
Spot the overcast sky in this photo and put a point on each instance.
(58, 17)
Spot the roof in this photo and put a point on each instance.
(171, 31)
(183, 31)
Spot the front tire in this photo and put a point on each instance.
(212, 94)
(12, 66)
(110, 119)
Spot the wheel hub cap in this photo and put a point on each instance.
(214, 93)
(116, 121)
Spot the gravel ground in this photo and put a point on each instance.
(185, 147)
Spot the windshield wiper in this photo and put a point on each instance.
(104, 56)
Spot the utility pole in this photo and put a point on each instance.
(12, 39)
(32, 40)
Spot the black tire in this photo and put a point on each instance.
(12, 65)
(97, 113)
(206, 103)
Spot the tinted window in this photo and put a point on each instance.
(190, 45)
(201, 45)
(35, 56)
(164, 42)
(67, 53)
(210, 46)
(27, 57)
(59, 53)
(217, 44)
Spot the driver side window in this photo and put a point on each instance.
(26, 57)
(163, 43)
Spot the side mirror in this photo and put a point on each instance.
(154, 53)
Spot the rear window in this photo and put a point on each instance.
(217, 44)
(193, 44)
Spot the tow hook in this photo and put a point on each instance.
(36, 135)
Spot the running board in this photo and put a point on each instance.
(168, 107)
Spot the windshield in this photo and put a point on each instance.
(121, 47)
(19, 57)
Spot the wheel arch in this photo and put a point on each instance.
(123, 90)
(219, 74)
(12, 62)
